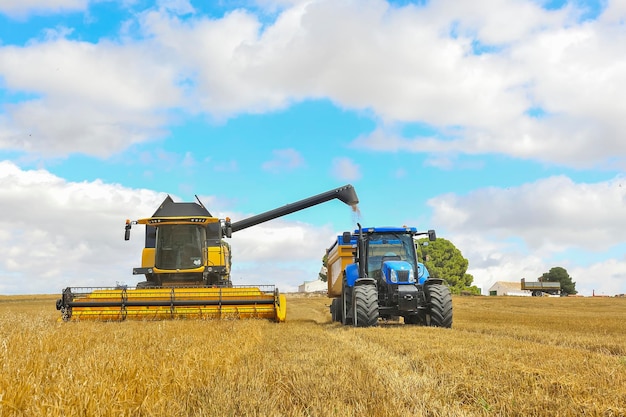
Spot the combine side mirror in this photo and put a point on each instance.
(127, 230)
(432, 236)
(227, 228)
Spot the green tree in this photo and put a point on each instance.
(559, 274)
(444, 260)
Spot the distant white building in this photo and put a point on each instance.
(508, 288)
(313, 286)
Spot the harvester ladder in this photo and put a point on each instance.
(123, 310)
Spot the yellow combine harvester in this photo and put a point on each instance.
(187, 263)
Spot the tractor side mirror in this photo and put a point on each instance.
(432, 236)
(346, 237)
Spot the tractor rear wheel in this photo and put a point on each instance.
(365, 302)
(440, 301)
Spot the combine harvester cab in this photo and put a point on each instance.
(187, 263)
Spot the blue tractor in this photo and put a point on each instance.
(374, 273)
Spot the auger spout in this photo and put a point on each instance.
(346, 194)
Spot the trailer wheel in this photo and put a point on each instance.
(365, 302)
(345, 305)
(335, 309)
(440, 302)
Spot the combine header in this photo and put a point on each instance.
(187, 264)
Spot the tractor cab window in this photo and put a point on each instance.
(179, 246)
(388, 247)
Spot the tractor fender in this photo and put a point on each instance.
(353, 278)
(431, 281)
(352, 274)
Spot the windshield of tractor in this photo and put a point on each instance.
(389, 247)
(179, 246)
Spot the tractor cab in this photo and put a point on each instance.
(391, 257)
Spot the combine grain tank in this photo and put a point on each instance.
(186, 263)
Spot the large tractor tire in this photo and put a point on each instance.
(440, 300)
(438, 295)
(365, 302)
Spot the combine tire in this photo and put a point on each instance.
(440, 305)
(365, 301)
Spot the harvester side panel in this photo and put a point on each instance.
(218, 255)
(147, 258)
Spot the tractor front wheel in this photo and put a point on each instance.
(365, 302)
(440, 300)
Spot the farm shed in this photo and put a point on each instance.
(313, 286)
(508, 288)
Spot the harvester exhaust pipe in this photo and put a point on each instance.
(347, 194)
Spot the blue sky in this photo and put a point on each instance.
(499, 124)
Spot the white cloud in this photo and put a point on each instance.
(413, 64)
(508, 234)
(492, 260)
(284, 160)
(55, 233)
(59, 233)
(404, 64)
(88, 98)
(553, 213)
(19, 9)
(345, 169)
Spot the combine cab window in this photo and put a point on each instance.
(179, 246)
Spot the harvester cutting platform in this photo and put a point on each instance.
(187, 264)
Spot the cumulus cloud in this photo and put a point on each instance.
(85, 98)
(507, 77)
(56, 233)
(519, 232)
(284, 160)
(21, 8)
(550, 214)
(345, 169)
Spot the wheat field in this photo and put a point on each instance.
(504, 356)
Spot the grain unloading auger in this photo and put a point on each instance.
(187, 264)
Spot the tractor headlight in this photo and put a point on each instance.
(393, 276)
